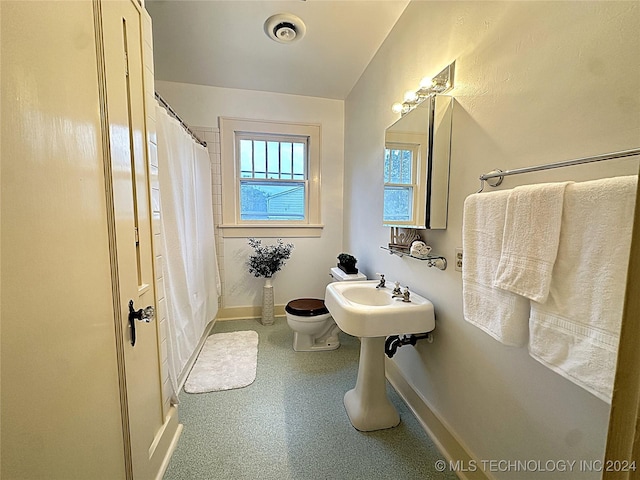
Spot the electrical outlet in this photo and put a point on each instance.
(458, 259)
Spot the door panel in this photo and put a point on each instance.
(121, 23)
(60, 403)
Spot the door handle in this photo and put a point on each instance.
(146, 315)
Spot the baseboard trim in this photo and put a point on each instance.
(442, 436)
(171, 420)
(245, 313)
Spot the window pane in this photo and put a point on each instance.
(398, 204)
(273, 159)
(286, 168)
(246, 164)
(286, 155)
(260, 159)
(387, 165)
(299, 161)
(394, 171)
(406, 166)
(272, 200)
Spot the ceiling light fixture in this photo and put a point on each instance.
(284, 28)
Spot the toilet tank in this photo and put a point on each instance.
(340, 276)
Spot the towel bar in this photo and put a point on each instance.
(499, 174)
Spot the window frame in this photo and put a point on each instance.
(415, 184)
(232, 224)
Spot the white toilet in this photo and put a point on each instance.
(312, 325)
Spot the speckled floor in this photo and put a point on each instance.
(291, 423)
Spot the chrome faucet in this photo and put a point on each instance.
(382, 281)
(404, 295)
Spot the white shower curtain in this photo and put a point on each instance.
(190, 268)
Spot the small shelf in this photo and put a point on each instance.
(437, 261)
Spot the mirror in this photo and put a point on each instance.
(416, 166)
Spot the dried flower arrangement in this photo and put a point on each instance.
(268, 259)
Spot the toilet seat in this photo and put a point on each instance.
(306, 307)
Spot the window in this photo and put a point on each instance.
(270, 178)
(400, 186)
(273, 177)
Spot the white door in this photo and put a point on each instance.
(125, 111)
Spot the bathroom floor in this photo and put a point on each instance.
(291, 423)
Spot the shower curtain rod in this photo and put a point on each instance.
(499, 174)
(170, 110)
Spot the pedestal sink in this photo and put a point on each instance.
(362, 310)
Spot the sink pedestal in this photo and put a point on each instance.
(367, 405)
(363, 310)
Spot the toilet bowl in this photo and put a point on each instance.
(313, 327)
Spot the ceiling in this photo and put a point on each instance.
(222, 43)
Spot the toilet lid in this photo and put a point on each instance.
(306, 307)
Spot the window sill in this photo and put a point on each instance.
(274, 230)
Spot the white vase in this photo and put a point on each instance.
(267, 303)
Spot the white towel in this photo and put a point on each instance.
(501, 314)
(531, 236)
(576, 331)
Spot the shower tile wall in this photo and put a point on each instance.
(161, 314)
(152, 152)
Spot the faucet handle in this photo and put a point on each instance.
(406, 294)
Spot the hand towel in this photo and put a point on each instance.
(531, 236)
(576, 331)
(501, 314)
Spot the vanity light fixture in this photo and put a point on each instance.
(441, 83)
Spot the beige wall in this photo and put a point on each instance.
(312, 257)
(535, 82)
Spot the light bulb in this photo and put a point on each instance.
(426, 82)
(410, 96)
(396, 107)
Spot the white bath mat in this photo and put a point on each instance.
(226, 361)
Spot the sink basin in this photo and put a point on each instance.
(365, 295)
(362, 310)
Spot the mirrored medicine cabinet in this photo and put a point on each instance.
(416, 166)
